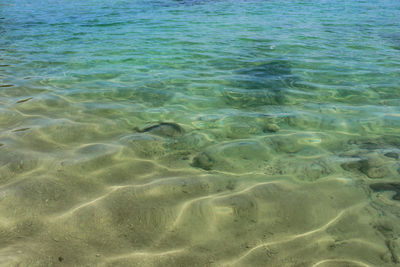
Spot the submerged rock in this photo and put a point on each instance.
(393, 39)
(271, 128)
(190, 142)
(260, 84)
(145, 145)
(365, 144)
(273, 69)
(166, 129)
(387, 187)
(203, 161)
(358, 164)
(384, 141)
(375, 172)
(241, 130)
(392, 155)
(314, 171)
(367, 167)
(287, 143)
(236, 156)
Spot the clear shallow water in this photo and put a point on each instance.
(199, 133)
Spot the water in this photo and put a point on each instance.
(199, 133)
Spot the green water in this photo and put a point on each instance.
(199, 133)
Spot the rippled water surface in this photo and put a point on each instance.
(199, 133)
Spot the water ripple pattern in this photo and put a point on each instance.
(199, 133)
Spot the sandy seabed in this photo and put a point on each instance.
(151, 199)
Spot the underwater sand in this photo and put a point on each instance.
(199, 133)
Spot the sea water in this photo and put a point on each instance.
(199, 133)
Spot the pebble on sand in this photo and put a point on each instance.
(203, 161)
(271, 128)
(166, 129)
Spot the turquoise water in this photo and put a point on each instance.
(199, 133)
